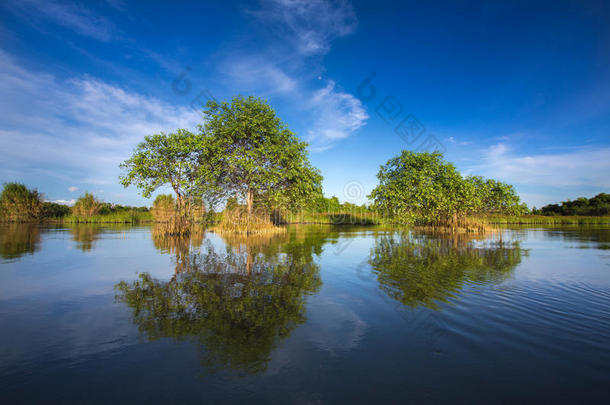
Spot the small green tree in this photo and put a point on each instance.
(20, 204)
(173, 160)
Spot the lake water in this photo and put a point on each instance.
(320, 314)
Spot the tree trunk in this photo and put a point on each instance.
(250, 201)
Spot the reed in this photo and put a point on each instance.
(238, 221)
(164, 208)
(122, 217)
(544, 220)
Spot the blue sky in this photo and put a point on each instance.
(517, 91)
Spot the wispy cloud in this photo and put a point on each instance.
(72, 189)
(254, 73)
(309, 25)
(72, 16)
(337, 114)
(75, 130)
(286, 71)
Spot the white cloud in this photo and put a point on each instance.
(309, 25)
(64, 202)
(68, 15)
(548, 177)
(336, 115)
(278, 71)
(72, 189)
(255, 73)
(76, 130)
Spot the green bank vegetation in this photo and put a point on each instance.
(19, 204)
(584, 207)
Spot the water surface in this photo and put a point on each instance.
(95, 314)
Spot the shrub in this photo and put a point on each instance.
(20, 204)
(86, 206)
(54, 210)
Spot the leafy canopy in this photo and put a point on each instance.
(256, 154)
(165, 159)
(424, 187)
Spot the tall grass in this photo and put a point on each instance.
(544, 220)
(333, 218)
(238, 221)
(122, 217)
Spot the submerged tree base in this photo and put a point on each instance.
(238, 221)
(176, 225)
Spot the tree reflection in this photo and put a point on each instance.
(421, 270)
(18, 239)
(237, 304)
(85, 236)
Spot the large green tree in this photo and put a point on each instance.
(256, 155)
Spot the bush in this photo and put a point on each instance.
(20, 204)
(54, 210)
(86, 206)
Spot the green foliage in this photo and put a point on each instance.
(422, 188)
(596, 206)
(176, 160)
(544, 220)
(20, 204)
(54, 210)
(242, 150)
(256, 156)
(119, 217)
(86, 206)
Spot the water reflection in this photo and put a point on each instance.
(422, 269)
(85, 235)
(236, 303)
(17, 240)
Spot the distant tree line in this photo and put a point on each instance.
(595, 206)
